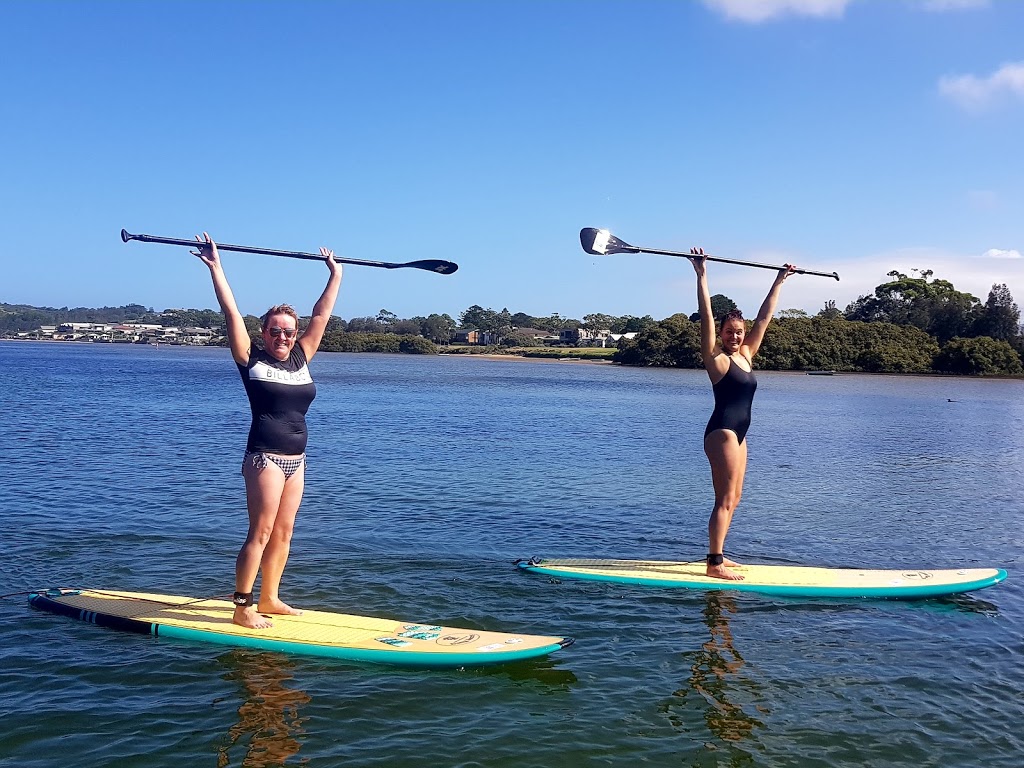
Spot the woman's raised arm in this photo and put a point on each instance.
(324, 307)
(238, 336)
(764, 314)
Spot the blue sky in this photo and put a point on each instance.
(851, 135)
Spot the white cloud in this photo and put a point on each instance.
(755, 11)
(1001, 253)
(953, 5)
(973, 273)
(976, 93)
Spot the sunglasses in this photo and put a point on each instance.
(286, 332)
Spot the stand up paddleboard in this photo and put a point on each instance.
(786, 580)
(314, 633)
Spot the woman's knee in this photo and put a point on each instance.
(728, 502)
(282, 532)
(260, 534)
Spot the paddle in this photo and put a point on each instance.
(430, 265)
(601, 242)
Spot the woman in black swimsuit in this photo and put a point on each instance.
(280, 390)
(729, 364)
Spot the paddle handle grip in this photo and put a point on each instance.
(126, 236)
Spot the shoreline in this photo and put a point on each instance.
(525, 358)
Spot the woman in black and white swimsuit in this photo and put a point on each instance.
(729, 363)
(280, 390)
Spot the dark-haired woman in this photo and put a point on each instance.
(280, 390)
(729, 363)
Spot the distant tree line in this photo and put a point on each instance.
(908, 325)
(18, 318)
(371, 333)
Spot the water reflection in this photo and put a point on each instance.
(965, 603)
(269, 720)
(716, 676)
(553, 678)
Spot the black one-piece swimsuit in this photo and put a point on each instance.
(734, 394)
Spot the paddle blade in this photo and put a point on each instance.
(601, 242)
(432, 265)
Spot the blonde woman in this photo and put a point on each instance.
(280, 390)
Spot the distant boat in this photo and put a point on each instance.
(821, 373)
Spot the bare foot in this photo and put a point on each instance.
(278, 608)
(721, 572)
(731, 563)
(248, 616)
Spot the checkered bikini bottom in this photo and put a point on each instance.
(288, 466)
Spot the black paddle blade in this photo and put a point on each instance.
(432, 265)
(601, 242)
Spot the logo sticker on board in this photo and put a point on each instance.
(454, 639)
(393, 641)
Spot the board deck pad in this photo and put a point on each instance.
(796, 581)
(317, 633)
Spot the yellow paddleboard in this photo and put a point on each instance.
(796, 581)
(316, 633)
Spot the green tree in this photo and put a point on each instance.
(515, 339)
(476, 317)
(672, 343)
(253, 324)
(502, 324)
(631, 324)
(363, 325)
(599, 322)
(935, 307)
(438, 328)
(999, 318)
(721, 305)
(416, 345)
(386, 319)
(980, 356)
(829, 311)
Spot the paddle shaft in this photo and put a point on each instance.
(431, 265)
(834, 275)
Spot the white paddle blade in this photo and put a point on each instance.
(601, 242)
(594, 241)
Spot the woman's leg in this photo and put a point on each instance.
(728, 459)
(264, 487)
(275, 555)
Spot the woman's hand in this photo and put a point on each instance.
(699, 261)
(332, 265)
(786, 271)
(207, 252)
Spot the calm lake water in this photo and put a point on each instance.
(427, 477)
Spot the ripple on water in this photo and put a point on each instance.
(427, 478)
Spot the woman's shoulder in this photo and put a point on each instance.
(717, 361)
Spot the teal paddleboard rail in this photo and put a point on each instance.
(383, 656)
(47, 601)
(902, 592)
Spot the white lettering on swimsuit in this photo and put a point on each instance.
(262, 371)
